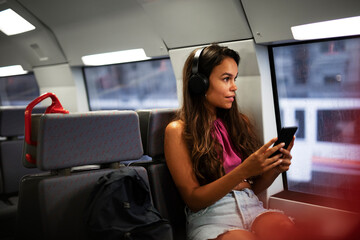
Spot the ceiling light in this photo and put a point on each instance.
(327, 29)
(12, 23)
(115, 57)
(12, 70)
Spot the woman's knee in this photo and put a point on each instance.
(275, 226)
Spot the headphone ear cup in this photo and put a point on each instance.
(198, 84)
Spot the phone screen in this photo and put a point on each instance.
(285, 135)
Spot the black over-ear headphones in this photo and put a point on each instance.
(198, 82)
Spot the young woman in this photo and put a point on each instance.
(215, 158)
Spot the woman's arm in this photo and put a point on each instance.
(195, 196)
(263, 181)
(179, 163)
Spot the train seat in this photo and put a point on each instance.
(11, 143)
(51, 206)
(164, 192)
(11, 168)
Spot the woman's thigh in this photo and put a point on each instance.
(274, 226)
(237, 234)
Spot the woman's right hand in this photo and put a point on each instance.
(260, 161)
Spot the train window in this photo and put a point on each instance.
(135, 85)
(318, 89)
(18, 90)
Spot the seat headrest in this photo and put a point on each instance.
(12, 120)
(155, 122)
(76, 139)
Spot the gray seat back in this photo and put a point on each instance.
(11, 168)
(11, 144)
(77, 148)
(152, 125)
(166, 197)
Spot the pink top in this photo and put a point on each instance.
(230, 157)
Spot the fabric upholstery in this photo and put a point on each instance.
(159, 119)
(57, 212)
(144, 116)
(11, 167)
(51, 205)
(12, 120)
(68, 140)
(63, 202)
(12, 130)
(156, 120)
(166, 197)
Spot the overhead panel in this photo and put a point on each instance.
(30, 49)
(270, 21)
(85, 27)
(187, 23)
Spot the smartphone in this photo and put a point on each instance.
(285, 135)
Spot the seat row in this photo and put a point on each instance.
(74, 150)
(11, 168)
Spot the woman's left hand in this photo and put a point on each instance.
(286, 158)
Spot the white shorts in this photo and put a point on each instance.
(236, 210)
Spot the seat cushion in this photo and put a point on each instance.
(61, 204)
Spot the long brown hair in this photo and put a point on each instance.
(205, 150)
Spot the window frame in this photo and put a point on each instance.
(287, 194)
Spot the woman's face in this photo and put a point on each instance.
(221, 91)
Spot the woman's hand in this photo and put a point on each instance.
(286, 158)
(260, 161)
(280, 165)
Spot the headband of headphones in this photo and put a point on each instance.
(198, 83)
(196, 60)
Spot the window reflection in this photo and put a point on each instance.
(18, 90)
(136, 85)
(339, 126)
(319, 91)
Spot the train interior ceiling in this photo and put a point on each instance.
(57, 52)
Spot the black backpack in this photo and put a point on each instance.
(120, 207)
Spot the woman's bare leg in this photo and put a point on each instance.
(237, 235)
(274, 226)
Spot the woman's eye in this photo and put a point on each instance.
(226, 79)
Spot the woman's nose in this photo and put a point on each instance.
(233, 86)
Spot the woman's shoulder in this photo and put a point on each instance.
(175, 128)
(176, 125)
